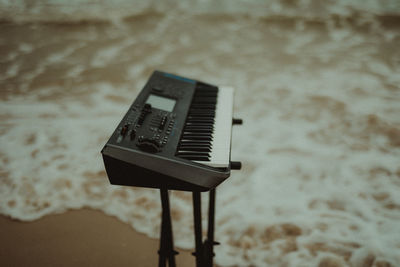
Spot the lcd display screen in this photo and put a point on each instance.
(160, 102)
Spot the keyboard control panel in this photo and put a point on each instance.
(153, 121)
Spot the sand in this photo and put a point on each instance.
(78, 238)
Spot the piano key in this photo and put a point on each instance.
(195, 158)
(193, 144)
(198, 137)
(206, 100)
(186, 141)
(199, 143)
(194, 148)
(202, 113)
(197, 133)
(203, 120)
(200, 117)
(200, 129)
(204, 106)
(194, 153)
(188, 123)
(202, 110)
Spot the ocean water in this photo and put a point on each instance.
(317, 84)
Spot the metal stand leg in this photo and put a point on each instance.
(197, 229)
(204, 252)
(166, 251)
(210, 243)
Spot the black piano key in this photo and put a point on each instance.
(205, 148)
(207, 108)
(195, 142)
(193, 153)
(206, 94)
(202, 112)
(198, 137)
(205, 88)
(197, 158)
(206, 100)
(205, 126)
(199, 128)
(199, 124)
(204, 106)
(195, 130)
(201, 120)
(190, 133)
(205, 112)
(205, 143)
(201, 115)
(195, 148)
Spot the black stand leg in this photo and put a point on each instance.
(204, 252)
(197, 229)
(210, 243)
(166, 251)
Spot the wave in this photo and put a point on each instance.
(117, 10)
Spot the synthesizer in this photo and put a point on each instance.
(175, 135)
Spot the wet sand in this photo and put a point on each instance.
(82, 237)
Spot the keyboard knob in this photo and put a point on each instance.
(124, 129)
(147, 108)
(237, 121)
(148, 145)
(236, 165)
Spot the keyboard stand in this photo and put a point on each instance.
(166, 252)
(204, 251)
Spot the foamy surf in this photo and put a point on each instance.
(116, 10)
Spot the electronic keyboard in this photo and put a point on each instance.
(176, 135)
